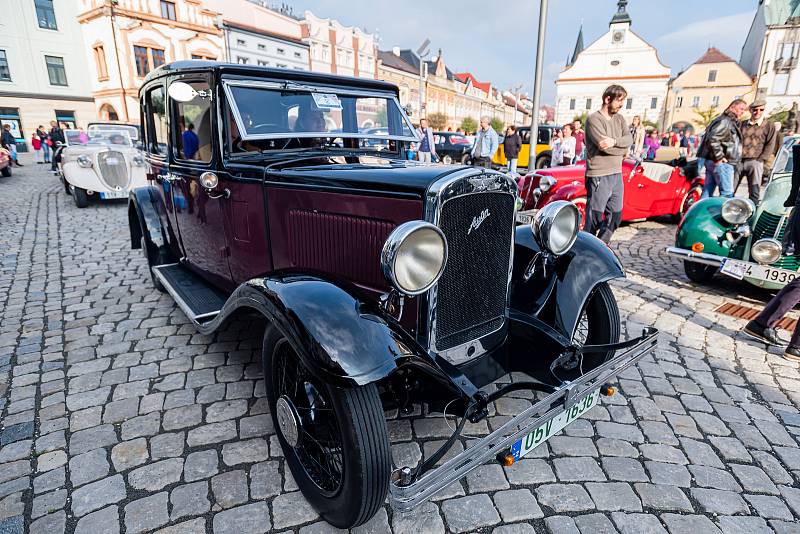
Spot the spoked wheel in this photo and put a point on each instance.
(334, 439)
(598, 324)
(699, 272)
(580, 203)
(447, 159)
(689, 200)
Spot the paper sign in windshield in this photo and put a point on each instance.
(327, 101)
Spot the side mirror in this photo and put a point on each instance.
(183, 92)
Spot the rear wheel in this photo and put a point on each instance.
(543, 161)
(598, 324)
(447, 159)
(699, 272)
(334, 439)
(580, 203)
(80, 196)
(689, 199)
(6, 172)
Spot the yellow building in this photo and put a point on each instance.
(126, 39)
(712, 81)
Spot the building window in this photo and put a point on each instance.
(766, 67)
(281, 65)
(203, 57)
(679, 102)
(714, 101)
(67, 117)
(629, 103)
(45, 14)
(781, 83)
(298, 55)
(588, 103)
(712, 76)
(55, 70)
(5, 73)
(240, 42)
(241, 60)
(695, 101)
(147, 59)
(571, 103)
(168, 10)
(281, 50)
(653, 103)
(262, 63)
(262, 46)
(100, 61)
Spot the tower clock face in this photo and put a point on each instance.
(618, 36)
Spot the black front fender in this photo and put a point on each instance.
(557, 296)
(143, 215)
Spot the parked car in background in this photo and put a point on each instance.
(733, 237)
(5, 163)
(100, 163)
(382, 283)
(452, 147)
(543, 151)
(132, 130)
(651, 188)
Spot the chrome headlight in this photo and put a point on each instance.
(737, 210)
(138, 160)
(766, 251)
(556, 226)
(414, 257)
(546, 182)
(84, 161)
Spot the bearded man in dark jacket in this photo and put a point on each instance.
(722, 150)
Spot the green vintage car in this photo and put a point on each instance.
(731, 236)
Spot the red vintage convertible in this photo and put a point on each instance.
(651, 188)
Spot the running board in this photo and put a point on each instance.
(198, 300)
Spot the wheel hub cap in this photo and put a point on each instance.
(288, 420)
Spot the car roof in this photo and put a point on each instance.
(196, 65)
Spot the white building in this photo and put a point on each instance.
(771, 50)
(620, 56)
(43, 69)
(258, 35)
(339, 49)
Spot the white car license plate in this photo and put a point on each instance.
(525, 217)
(740, 269)
(114, 194)
(525, 445)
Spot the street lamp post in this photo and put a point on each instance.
(537, 83)
(422, 53)
(515, 90)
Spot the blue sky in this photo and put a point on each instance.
(496, 41)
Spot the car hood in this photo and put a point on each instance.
(364, 173)
(776, 194)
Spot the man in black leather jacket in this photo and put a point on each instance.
(722, 150)
(763, 326)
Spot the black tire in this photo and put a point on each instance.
(543, 162)
(465, 159)
(688, 200)
(6, 172)
(67, 190)
(355, 492)
(447, 159)
(80, 196)
(153, 262)
(598, 324)
(698, 272)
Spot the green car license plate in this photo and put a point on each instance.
(535, 438)
(740, 269)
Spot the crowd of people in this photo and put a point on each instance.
(44, 142)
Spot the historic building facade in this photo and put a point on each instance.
(43, 73)
(619, 56)
(126, 39)
(711, 82)
(339, 49)
(771, 53)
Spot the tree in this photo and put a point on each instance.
(705, 116)
(582, 117)
(437, 121)
(497, 124)
(779, 115)
(649, 125)
(469, 124)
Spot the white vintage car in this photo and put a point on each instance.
(101, 162)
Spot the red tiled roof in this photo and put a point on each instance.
(464, 76)
(713, 55)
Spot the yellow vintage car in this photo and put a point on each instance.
(542, 147)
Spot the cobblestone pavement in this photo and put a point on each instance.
(117, 416)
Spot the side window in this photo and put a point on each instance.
(157, 121)
(525, 135)
(193, 138)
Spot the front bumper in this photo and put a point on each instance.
(697, 257)
(404, 497)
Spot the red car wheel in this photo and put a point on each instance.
(692, 196)
(580, 203)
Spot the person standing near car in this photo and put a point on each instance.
(427, 148)
(190, 142)
(580, 136)
(758, 142)
(512, 143)
(568, 144)
(721, 150)
(44, 139)
(9, 142)
(608, 140)
(486, 142)
(638, 134)
(56, 137)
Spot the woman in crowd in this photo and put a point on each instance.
(555, 148)
(36, 143)
(44, 139)
(638, 134)
(568, 143)
(651, 145)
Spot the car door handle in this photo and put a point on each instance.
(640, 186)
(225, 193)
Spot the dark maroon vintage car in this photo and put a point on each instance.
(382, 282)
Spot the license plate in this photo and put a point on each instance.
(114, 194)
(741, 269)
(525, 217)
(535, 438)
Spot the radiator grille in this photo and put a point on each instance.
(113, 169)
(471, 294)
(339, 244)
(765, 228)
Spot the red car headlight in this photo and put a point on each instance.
(546, 182)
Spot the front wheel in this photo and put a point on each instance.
(80, 196)
(334, 439)
(580, 203)
(447, 159)
(67, 190)
(598, 324)
(6, 172)
(699, 272)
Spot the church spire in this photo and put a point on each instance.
(578, 48)
(621, 16)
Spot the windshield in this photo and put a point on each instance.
(84, 138)
(133, 131)
(785, 162)
(298, 118)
